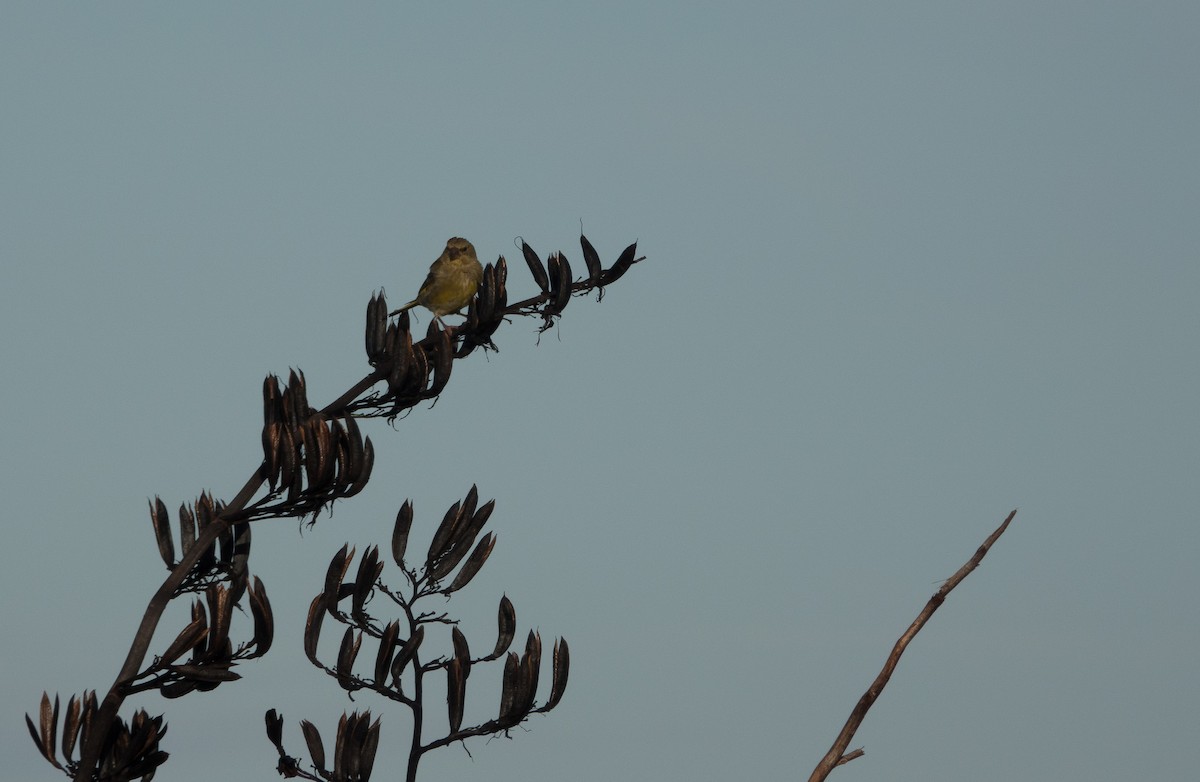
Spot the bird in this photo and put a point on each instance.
(452, 282)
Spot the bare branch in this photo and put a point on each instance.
(835, 756)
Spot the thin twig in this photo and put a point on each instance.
(834, 757)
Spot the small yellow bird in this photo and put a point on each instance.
(452, 282)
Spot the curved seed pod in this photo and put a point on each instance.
(592, 259)
(351, 456)
(299, 388)
(161, 521)
(351, 642)
(462, 652)
(272, 401)
(562, 667)
(376, 333)
(510, 689)
(404, 520)
(470, 525)
(312, 628)
(535, 267)
(335, 573)
(272, 438)
(485, 301)
(71, 725)
(419, 376)
(476, 561)
(501, 283)
(407, 652)
(531, 665)
(220, 616)
(364, 472)
(187, 528)
(264, 618)
(622, 265)
(275, 729)
(562, 290)
(200, 675)
(367, 753)
(178, 689)
(440, 544)
(442, 365)
(312, 737)
(338, 450)
(369, 568)
(45, 734)
(456, 693)
(387, 647)
(188, 638)
(507, 621)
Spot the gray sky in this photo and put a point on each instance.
(910, 265)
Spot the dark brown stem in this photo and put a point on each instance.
(835, 756)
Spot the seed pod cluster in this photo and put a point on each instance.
(130, 750)
(310, 458)
(455, 546)
(355, 745)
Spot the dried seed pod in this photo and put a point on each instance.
(507, 622)
(351, 643)
(368, 462)
(189, 637)
(264, 618)
(387, 647)
(562, 289)
(562, 667)
(335, 573)
(312, 738)
(622, 265)
(535, 267)
(161, 521)
(312, 628)
(404, 519)
(456, 693)
(592, 259)
(407, 652)
(476, 561)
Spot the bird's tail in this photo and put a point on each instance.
(405, 308)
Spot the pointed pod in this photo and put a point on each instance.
(456, 693)
(312, 628)
(407, 652)
(264, 618)
(443, 363)
(369, 568)
(187, 528)
(442, 538)
(189, 637)
(507, 621)
(404, 520)
(387, 647)
(367, 753)
(535, 267)
(335, 573)
(622, 265)
(592, 259)
(274, 729)
(462, 652)
(561, 287)
(562, 667)
(364, 473)
(161, 521)
(45, 734)
(510, 692)
(312, 737)
(347, 653)
(71, 726)
(476, 561)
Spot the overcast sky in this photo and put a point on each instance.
(909, 266)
